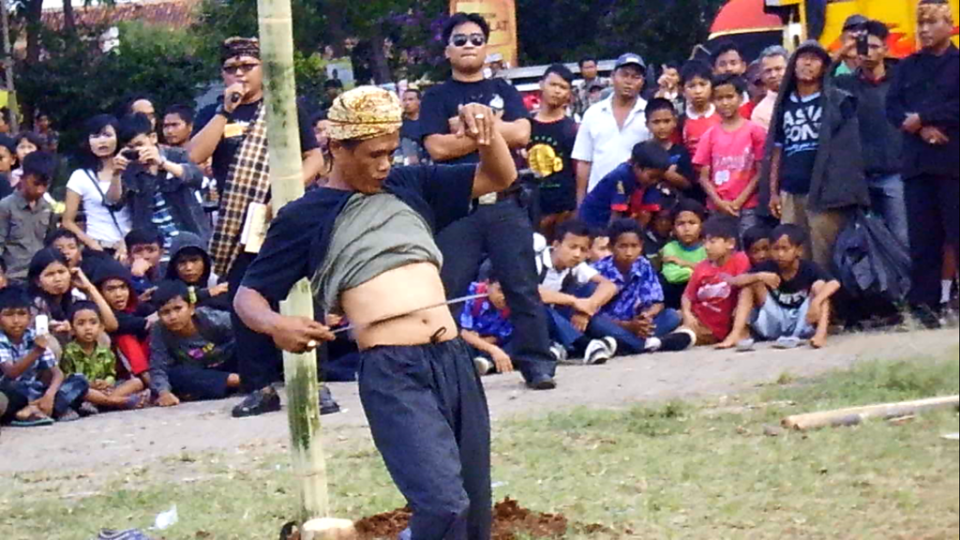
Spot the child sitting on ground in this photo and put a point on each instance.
(85, 356)
(134, 319)
(610, 200)
(192, 349)
(145, 251)
(713, 291)
(486, 326)
(756, 243)
(191, 264)
(29, 369)
(785, 300)
(682, 255)
(729, 156)
(657, 235)
(69, 245)
(638, 306)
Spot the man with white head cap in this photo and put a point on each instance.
(366, 243)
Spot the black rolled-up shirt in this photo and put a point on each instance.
(298, 239)
(443, 102)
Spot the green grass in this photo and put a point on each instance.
(674, 470)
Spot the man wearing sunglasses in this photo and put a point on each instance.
(499, 226)
(233, 132)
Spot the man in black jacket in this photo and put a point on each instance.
(882, 141)
(924, 101)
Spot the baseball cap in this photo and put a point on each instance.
(630, 59)
(855, 21)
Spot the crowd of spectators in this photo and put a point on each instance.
(701, 209)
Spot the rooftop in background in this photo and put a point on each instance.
(173, 13)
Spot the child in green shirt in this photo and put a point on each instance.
(683, 254)
(87, 357)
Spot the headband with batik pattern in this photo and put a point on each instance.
(238, 46)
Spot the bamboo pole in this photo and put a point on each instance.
(8, 67)
(856, 415)
(286, 177)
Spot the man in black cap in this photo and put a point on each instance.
(499, 226)
(847, 57)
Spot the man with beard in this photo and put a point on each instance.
(499, 226)
(234, 133)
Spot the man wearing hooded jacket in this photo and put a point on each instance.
(815, 175)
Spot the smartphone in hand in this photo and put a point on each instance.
(43, 325)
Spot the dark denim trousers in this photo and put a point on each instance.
(70, 395)
(194, 383)
(601, 326)
(933, 209)
(429, 418)
(503, 233)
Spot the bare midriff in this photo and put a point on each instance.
(407, 289)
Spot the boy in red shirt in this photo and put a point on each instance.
(729, 156)
(701, 114)
(711, 296)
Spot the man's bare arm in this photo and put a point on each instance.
(202, 146)
(312, 165)
(584, 168)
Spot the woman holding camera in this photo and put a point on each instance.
(98, 186)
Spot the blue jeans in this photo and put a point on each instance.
(773, 321)
(887, 195)
(563, 332)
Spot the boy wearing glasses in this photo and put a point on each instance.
(500, 223)
(233, 133)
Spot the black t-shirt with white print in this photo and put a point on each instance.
(799, 137)
(793, 293)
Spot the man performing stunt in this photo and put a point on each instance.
(366, 242)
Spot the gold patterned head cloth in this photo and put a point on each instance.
(935, 8)
(364, 113)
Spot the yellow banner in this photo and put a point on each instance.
(502, 17)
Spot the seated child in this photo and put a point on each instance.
(485, 326)
(134, 319)
(192, 349)
(756, 243)
(610, 199)
(599, 248)
(638, 306)
(574, 294)
(69, 245)
(712, 293)
(683, 254)
(85, 356)
(191, 264)
(144, 250)
(29, 370)
(657, 235)
(787, 299)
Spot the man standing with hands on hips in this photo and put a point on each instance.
(234, 133)
(366, 242)
(499, 226)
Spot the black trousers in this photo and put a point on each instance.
(259, 361)
(429, 419)
(503, 233)
(932, 214)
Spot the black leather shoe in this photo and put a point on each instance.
(542, 382)
(257, 403)
(327, 404)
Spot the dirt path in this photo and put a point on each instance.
(131, 439)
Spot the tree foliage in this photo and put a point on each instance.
(75, 81)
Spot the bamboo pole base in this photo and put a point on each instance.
(856, 415)
(328, 529)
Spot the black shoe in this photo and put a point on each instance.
(927, 318)
(327, 404)
(257, 403)
(680, 340)
(542, 382)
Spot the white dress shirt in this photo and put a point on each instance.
(602, 143)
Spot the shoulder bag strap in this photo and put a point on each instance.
(103, 201)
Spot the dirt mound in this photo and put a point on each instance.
(509, 520)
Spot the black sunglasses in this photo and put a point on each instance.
(461, 40)
(237, 68)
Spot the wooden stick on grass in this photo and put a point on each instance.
(856, 415)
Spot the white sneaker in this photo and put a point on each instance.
(600, 351)
(559, 353)
(484, 366)
(652, 345)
